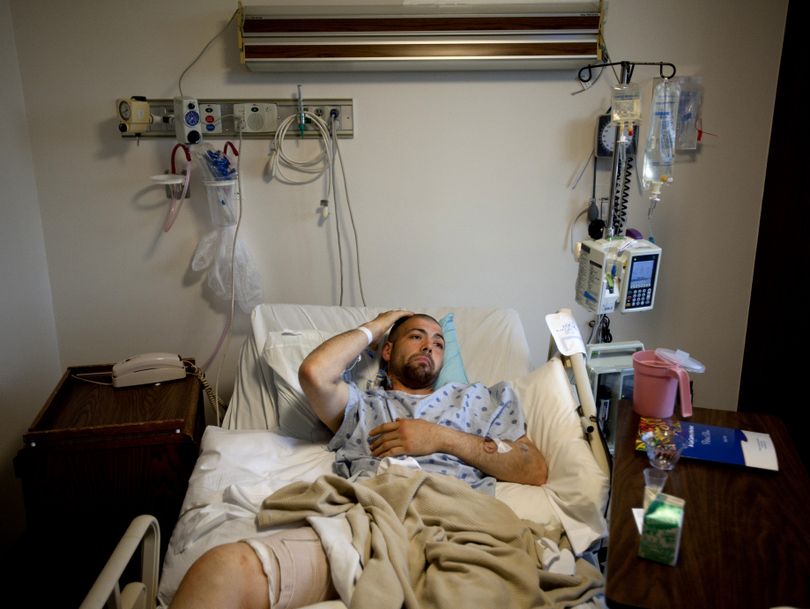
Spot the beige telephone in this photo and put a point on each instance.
(148, 368)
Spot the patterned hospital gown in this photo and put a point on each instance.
(488, 412)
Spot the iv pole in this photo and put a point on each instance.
(619, 165)
(615, 225)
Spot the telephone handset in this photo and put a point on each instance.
(148, 368)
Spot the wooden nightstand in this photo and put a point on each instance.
(94, 458)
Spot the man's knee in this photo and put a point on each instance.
(288, 569)
(228, 564)
(229, 575)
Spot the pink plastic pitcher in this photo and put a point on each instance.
(656, 385)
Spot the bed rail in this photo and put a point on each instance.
(588, 407)
(144, 534)
(566, 343)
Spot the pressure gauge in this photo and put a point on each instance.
(605, 136)
(134, 114)
(192, 118)
(124, 109)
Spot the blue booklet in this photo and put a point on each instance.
(719, 444)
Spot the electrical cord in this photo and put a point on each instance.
(308, 170)
(600, 324)
(280, 163)
(201, 53)
(82, 376)
(571, 243)
(339, 157)
(333, 188)
(224, 337)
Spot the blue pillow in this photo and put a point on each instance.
(453, 369)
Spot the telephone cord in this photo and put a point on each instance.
(210, 392)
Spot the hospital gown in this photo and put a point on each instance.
(487, 412)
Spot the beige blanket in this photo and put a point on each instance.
(429, 541)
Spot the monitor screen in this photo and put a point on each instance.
(642, 271)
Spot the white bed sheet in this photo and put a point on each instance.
(238, 468)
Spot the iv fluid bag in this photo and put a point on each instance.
(625, 104)
(659, 153)
(689, 111)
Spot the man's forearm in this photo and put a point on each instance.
(522, 463)
(518, 461)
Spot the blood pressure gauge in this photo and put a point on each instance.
(605, 136)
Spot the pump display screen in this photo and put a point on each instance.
(641, 284)
(641, 274)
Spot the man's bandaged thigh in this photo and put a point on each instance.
(296, 567)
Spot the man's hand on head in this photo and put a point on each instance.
(413, 437)
(386, 319)
(380, 324)
(389, 317)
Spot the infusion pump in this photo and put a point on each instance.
(617, 274)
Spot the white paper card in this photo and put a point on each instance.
(759, 451)
(566, 333)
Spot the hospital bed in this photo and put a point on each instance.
(269, 438)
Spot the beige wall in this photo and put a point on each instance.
(471, 169)
(29, 352)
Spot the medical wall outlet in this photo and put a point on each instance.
(256, 117)
(211, 119)
(217, 117)
(617, 274)
(187, 120)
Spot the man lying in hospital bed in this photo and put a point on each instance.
(422, 539)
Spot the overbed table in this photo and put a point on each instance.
(746, 535)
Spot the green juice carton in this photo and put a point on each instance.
(661, 532)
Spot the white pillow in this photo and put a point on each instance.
(283, 353)
(576, 487)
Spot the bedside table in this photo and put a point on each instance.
(97, 456)
(745, 530)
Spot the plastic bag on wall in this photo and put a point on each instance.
(213, 252)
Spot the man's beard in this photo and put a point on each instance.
(417, 375)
